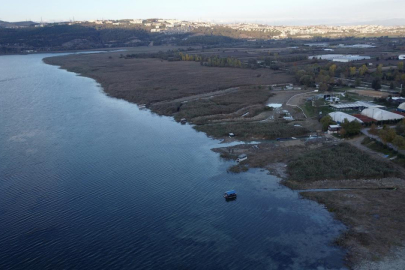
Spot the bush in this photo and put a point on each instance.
(338, 162)
(350, 129)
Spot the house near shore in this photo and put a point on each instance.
(334, 129)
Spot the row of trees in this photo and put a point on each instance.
(177, 55)
(391, 135)
(212, 61)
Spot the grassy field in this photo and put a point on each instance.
(257, 130)
(312, 111)
(337, 163)
(251, 98)
(380, 148)
(153, 80)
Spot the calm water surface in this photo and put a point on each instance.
(91, 182)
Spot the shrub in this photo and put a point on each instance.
(338, 162)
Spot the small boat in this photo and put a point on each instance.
(230, 195)
(183, 121)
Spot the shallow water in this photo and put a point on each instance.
(92, 182)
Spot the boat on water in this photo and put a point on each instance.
(230, 195)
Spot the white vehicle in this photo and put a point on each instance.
(241, 158)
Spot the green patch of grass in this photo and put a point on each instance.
(312, 111)
(337, 162)
(381, 148)
(246, 130)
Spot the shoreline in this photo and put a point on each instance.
(348, 240)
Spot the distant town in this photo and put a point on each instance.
(173, 26)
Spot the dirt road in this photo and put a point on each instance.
(357, 143)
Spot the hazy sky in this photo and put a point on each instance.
(269, 11)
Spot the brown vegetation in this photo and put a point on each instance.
(376, 220)
(152, 80)
(254, 130)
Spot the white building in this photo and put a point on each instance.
(401, 57)
(381, 115)
(138, 21)
(339, 57)
(339, 117)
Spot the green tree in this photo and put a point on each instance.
(326, 121)
(400, 127)
(307, 80)
(379, 69)
(387, 134)
(323, 86)
(332, 70)
(399, 141)
(362, 70)
(376, 84)
(351, 128)
(401, 66)
(352, 71)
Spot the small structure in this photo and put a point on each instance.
(183, 121)
(334, 129)
(231, 135)
(230, 195)
(241, 158)
(397, 100)
(332, 99)
(401, 57)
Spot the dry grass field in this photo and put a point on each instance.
(153, 80)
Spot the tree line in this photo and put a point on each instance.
(177, 55)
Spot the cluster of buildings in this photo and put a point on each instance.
(369, 113)
(345, 58)
(277, 32)
(318, 30)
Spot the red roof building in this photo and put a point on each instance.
(364, 118)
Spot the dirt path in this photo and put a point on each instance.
(357, 143)
(200, 96)
(297, 99)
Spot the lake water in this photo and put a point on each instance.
(92, 182)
